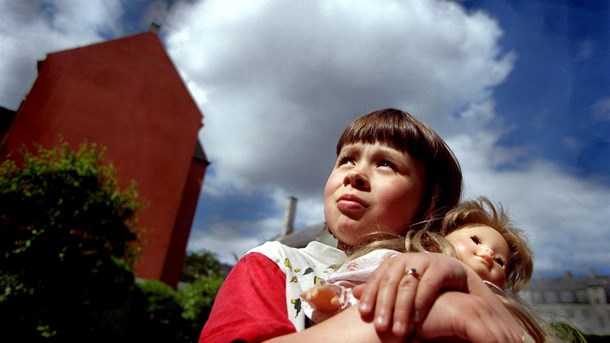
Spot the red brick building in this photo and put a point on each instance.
(126, 95)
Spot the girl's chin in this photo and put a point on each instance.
(348, 235)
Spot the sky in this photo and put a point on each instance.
(520, 91)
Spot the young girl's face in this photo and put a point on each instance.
(372, 188)
(484, 250)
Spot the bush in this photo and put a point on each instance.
(197, 299)
(565, 332)
(68, 241)
(168, 315)
(162, 319)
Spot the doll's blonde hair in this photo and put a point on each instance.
(482, 212)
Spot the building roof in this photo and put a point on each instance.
(569, 282)
(566, 289)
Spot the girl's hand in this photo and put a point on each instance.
(456, 317)
(394, 296)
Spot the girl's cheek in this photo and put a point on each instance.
(328, 188)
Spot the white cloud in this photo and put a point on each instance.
(564, 216)
(230, 239)
(281, 80)
(278, 81)
(29, 30)
(601, 109)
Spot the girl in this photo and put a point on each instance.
(392, 172)
(474, 232)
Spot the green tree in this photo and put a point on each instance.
(204, 275)
(203, 264)
(68, 241)
(565, 332)
(197, 299)
(163, 320)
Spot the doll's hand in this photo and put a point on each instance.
(322, 297)
(401, 298)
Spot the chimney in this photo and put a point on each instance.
(155, 27)
(291, 209)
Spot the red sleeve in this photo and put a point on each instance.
(250, 305)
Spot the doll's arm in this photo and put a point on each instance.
(322, 298)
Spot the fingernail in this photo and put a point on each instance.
(398, 329)
(364, 307)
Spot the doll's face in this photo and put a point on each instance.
(372, 188)
(484, 250)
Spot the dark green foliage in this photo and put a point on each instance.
(163, 321)
(567, 333)
(68, 240)
(203, 274)
(590, 338)
(176, 316)
(202, 264)
(197, 299)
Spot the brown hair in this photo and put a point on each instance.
(403, 132)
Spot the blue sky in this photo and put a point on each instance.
(520, 90)
(564, 59)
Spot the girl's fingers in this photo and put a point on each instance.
(386, 294)
(403, 289)
(370, 290)
(389, 294)
(402, 320)
(368, 296)
(440, 272)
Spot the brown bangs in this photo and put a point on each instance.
(405, 133)
(394, 128)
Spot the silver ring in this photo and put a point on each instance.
(413, 271)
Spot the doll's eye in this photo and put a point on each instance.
(475, 239)
(500, 262)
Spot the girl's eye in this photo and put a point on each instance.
(500, 262)
(386, 163)
(345, 160)
(475, 239)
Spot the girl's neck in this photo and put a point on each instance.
(346, 248)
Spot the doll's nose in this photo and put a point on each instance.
(487, 251)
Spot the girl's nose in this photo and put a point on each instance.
(356, 179)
